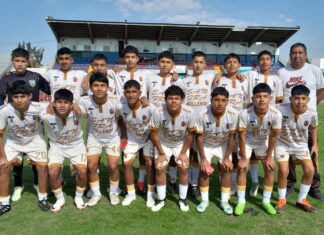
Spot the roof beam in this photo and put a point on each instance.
(57, 36)
(90, 33)
(193, 35)
(257, 37)
(160, 36)
(225, 37)
(126, 33)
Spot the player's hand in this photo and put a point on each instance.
(314, 150)
(77, 110)
(269, 163)
(161, 162)
(240, 77)
(145, 101)
(227, 165)
(85, 82)
(50, 108)
(123, 144)
(3, 162)
(243, 163)
(204, 164)
(183, 160)
(216, 80)
(175, 77)
(116, 69)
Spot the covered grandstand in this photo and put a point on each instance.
(87, 38)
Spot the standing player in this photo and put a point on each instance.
(66, 142)
(105, 129)
(20, 120)
(172, 132)
(259, 126)
(293, 141)
(136, 119)
(254, 78)
(216, 128)
(19, 60)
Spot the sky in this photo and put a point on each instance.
(22, 20)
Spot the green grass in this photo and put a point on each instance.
(26, 218)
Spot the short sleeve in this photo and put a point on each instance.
(242, 121)
(155, 121)
(200, 123)
(3, 121)
(234, 124)
(276, 122)
(314, 120)
(192, 122)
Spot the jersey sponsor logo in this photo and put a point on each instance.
(53, 124)
(163, 122)
(11, 118)
(306, 123)
(208, 124)
(252, 122)
(293, 81)
(154, 83)
(32, 83)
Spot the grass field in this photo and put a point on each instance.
(26, 218)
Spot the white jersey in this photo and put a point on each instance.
(258, 129)
(309, 75)
(294, 130)
(172, 131)
(156, 88)
(102, 119)
(197, 90)
(139, 75)
(272, 80)
(70, 80)
(22, 128)
(136, 122)
(64, 134)
(216, 131)
(238, 91)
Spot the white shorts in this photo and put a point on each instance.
(56, 156)
(217, 152)
(35, 150)
(170, 151)
(282, 154)
(132, 149)
(260, 153)
(94, 148)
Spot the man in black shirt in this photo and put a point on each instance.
(19, 59)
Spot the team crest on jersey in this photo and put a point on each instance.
(227, 126)
(141, 79)
(183, 124)
(76, 122)
(144, 117)
(306, 123)
(75, 79)
(269, 123)
(32, 83)
(206, 82)
(11, 118)
(111, 111)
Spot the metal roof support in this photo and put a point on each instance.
(255, 39)
(160, 35)
(193, 36)
(225, 37)
(90, 33)
(126, 33)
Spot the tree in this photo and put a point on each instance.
(35, 54)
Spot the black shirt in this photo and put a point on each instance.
(35, 80)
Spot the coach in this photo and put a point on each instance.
(300, 72)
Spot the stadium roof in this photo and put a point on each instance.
(161, 32)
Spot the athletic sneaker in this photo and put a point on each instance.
(306, 206)
(281, 203)
(183, 205)
(239, 209)
(269, 208)
(254, 189)
(4, 208)
(128, 199)
(202, 206)
(94, 200)
(114, 200)
(227, 208)
(43, 205)
(150, 200)
(158, 205)
(16, 195)
(58, 205)
(79, 203)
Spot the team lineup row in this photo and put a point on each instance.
(116, 121)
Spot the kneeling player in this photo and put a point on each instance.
(216, 128)
(172, 132)
(293, 140)
(136, 119)
(258, 127)
(66, 142)
(20, 120)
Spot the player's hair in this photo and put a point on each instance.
(63, 94)
(63, 51)
(166, 54)
(174, 90)
(132, 84)
(99, 56)
(220, 91)
(98, 77)
(131, 50)
(198, 54)
(300, 90)
(232, 55)
(20, 52)
(261, 87)
(298, 44)
(19, 87)
(264, 52)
